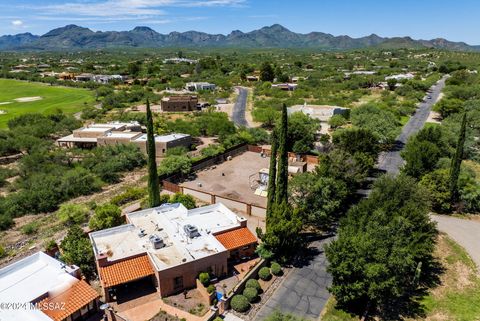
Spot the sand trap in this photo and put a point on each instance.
(27, 99)
(5, 103)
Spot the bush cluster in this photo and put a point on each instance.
(240, 303)
(264, 273)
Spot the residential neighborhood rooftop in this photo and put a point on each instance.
(168, 225)
(38, 277)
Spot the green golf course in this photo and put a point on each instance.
(21, 97)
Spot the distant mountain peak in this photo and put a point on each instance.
(143, 29)
(276, 27)
(275, 36)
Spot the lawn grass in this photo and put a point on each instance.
(456, 298)
(69, 100)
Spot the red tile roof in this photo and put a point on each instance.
(126, 270)
(235, 239)
(59, 307)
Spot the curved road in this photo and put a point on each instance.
(464, 232)
(304, 290)
(240, 107)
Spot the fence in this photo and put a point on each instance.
(170, 182)
(210, 198)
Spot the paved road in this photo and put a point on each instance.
(464, 232)
(391, 161)
(239, 109)
(304, 291)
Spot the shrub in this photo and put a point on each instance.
(106, 216)
(6, 221)
(204, 278)
(186, 200)
(211, 288)
(276, 269)
(3, 252)
(30, 228)
(251, 294)
(50, 245)
(72, 213)
(130, 195)
(252, 283)
(264, 273)
(240, 303)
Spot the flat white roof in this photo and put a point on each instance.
(167, 222)
(31, 278)
(71, 138)
(321, 112)
(163, 138)
(122, 134)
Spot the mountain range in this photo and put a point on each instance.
(275, 36)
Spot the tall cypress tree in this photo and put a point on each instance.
(272, 175)
(153, 184)
(282, 175)
(457, 160)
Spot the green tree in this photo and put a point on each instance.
(186, 200)
(77, 249)
(354, 140)
(282, 234)
(106, 216)
(457, 160)
(437, 183)
(423, 151)
(272, 175)
(337, 121)
(153, 184)
(320, 200)
(380, 245)
(381, 122)
(281, 190)
(134, 68)
(266, 72)
(392, 84)
(301, 133)
(175, 163)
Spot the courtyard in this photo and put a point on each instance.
(235, 179)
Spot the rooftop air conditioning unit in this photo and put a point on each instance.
(191, 231)
(156, 241)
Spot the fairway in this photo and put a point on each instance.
(21, 97)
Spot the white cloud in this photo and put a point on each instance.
(17, 23)
(142, 9)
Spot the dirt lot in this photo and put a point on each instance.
(235, 183)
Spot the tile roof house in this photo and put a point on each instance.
(170, 246)
(45, 289)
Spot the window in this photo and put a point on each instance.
(178, 283)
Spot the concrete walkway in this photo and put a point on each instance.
(304, 290)
(464, 232)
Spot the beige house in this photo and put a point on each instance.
(121, 133)
(168, 246)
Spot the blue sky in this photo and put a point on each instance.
(455, 20)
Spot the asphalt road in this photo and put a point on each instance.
(304, 291)
(464, 232)
(239, 109)
(391, 161)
